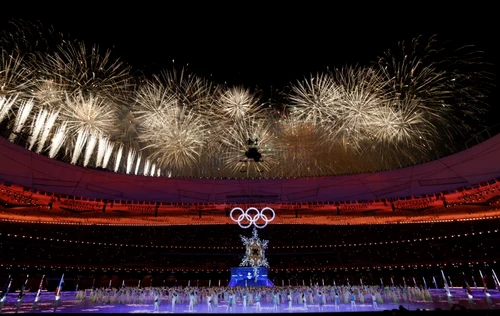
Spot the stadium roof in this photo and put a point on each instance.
(467, 168)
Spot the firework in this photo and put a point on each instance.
(146, 167)
(191, 92)
(14, 76)
(88, 113)
(81, 139)
(315, 100)
(175, 139)
(89, 148)
(6, 104)
(236, 104)
(47, 128)
(108, 150)
(446, 85)
(101, 149)
(30, 37)
(118, 158)
(57, 140)
(151, 99)
(77, 69)
(137, 164)
(130, 160)
(23, 115)
(37, 127)
(391, 113)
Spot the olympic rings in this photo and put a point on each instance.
(246, 219)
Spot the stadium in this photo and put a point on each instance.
(197, 199)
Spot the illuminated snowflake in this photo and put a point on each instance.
(255, 251)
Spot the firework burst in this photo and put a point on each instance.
(174, 139)
(237, 103)
(191, 92)
(448, 86)
(315, 100)
(14, 77)
(77, 69)
(89, 113)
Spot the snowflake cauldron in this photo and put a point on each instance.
(255, 251)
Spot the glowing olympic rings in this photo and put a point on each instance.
(251, 216)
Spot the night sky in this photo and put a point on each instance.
(263, 45)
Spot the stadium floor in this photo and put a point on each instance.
(440, 303)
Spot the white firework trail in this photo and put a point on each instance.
(130, 159)
(109, 146)
(58, 140)
(101, 149)
(153, 170)
(49, 123)
(23, 114)
(6, 104)
(158, 172)
(118, 157)
(81, 139)
(89, 149)
(137, 163)
(146, 168)
(37, 127)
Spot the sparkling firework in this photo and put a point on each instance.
(58, 140)
(101, 149)
(14, 76)
(89, 148)
(89, 113)
(75, 68)
(315, 100)
(37, 127)
(146, 168)
(47, 128)
(6, 104)
(23, 114)
(137, 164)
(174, 139)
(237, 104)
(130, 160)
(81, 139)
(109, 146)
(448, 86)
(118, 158)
